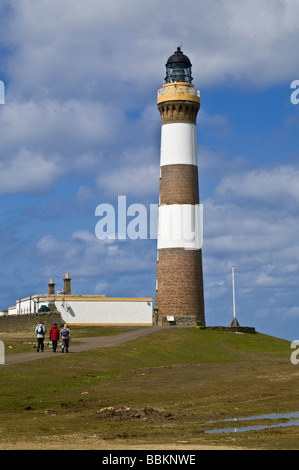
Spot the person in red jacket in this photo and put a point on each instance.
(54, 336)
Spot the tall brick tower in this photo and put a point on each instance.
(179, 282)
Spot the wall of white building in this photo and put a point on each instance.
(91, 309)
(106, 311)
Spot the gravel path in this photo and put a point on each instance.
(86, 344)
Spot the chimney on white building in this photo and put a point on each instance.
(51, 287)
(67, 284)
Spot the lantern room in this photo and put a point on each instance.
(178, 68)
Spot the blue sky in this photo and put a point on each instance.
(80, 127)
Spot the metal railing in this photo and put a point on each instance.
(177, 88)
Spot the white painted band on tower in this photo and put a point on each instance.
(178, 144)
(180, 226)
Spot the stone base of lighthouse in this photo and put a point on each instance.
(179, 294)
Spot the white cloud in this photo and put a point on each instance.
(215, 165)
(29, 171)
(86, 256)
(252, 44)
(73, 67)
(134, 172)
(252, 214)
(276, 185)
(84, 193)
(101, 287)
(217, 123)
(51, 124)
(41, 141)
(84, 235)
(251, 222)
(131, 181)
(92, 48)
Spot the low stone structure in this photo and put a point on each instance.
(236, 329)
(185, 320)
(180, 320)
(29, 321)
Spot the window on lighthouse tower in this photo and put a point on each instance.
(178, 68)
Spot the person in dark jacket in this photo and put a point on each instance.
(54, 336)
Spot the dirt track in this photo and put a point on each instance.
(92, 443)
(86, 344)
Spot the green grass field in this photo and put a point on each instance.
(163, 389)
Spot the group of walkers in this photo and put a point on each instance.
(54, 335)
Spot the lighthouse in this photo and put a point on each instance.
(179, 278)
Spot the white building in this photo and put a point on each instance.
(88, 309)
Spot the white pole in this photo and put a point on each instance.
(233, 278)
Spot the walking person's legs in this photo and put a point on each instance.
(65, 345)
(40, 344)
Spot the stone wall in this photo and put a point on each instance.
(181, 320)
(29, 321)
(235, 329)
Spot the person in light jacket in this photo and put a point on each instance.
(65, 338)
(40, 331)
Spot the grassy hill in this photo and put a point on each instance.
(166, 388)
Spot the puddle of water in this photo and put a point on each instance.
(290, 416)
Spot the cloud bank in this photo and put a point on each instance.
(80, 127)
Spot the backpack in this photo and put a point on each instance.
(64, 332)
(40, 329)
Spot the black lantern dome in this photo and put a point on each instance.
(178, 68)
